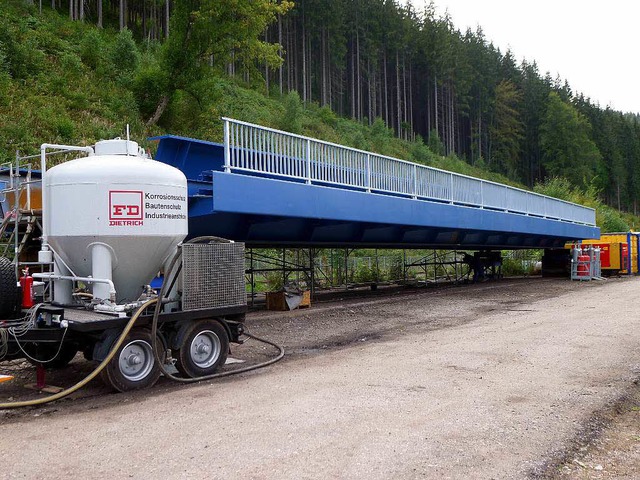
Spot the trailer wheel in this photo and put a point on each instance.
(8, 288)
(133, 367)
(204, 349)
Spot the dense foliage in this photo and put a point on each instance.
(373, 59)
(412, 85)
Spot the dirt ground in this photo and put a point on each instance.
(516, 378)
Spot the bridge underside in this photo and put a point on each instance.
(269, 212)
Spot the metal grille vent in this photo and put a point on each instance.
(213, 275)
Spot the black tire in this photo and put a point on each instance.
(133, 366)
(204, 349)
(8, 288)
(45, 353)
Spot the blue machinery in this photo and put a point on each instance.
(270, 188)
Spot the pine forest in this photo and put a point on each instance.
(381, 74)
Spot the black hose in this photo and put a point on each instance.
(156, 315)
(154, 331)
(94, 373)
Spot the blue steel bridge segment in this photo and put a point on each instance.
(263, 209)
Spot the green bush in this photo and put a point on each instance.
(125, 56)
(364, 274)
(65, 129)
(292, 118)
(435, 144)
(512, 267)
(148, 87)
(610, 220)
(25, 58)
(92, 50)
(71, 65)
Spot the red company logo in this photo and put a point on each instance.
(125, 208)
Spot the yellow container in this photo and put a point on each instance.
(31, 201)
(631, 239)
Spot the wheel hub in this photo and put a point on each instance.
(136, 360)
(205, 349)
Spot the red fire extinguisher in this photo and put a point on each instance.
(26, 282)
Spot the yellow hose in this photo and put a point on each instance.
(92, 375)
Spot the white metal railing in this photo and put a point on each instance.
(256, 149)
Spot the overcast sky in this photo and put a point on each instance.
(594, 45)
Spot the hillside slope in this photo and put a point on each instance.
(69, 82)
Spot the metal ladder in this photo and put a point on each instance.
(19, 222)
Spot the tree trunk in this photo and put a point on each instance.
(266, 65)
(280, 76)
(369, 110)
(353, 82)
(404, 94)
(435, 103)
(358, 78)
(166, 19)
(329, 73)
(413, 135)
(164, 101)
(398, 96)
(304, 59)
(99, 13)
(323, 90)
(386, 89)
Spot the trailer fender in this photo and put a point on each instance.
(103, 346)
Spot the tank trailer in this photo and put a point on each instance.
(110, 222)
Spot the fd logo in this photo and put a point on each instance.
(125, 208)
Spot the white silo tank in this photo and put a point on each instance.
(115, 215)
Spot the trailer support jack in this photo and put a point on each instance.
(41, 384)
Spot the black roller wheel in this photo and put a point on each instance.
(204, 349)
(8, 288)
(44, 354)
(133, 366)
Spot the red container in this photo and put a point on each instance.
(583, 265)
(26, 282)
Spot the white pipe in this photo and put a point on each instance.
(43, 169)
(101, 268)
(62, 289)
(53, 276)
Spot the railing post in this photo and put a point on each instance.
(308, 162)
(506, 198)
(368, 172)
(227, 148)
(415, 182)
(481, 194)
(451, 188)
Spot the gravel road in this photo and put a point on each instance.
(498, 380)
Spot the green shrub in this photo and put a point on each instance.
(512, 267)
(148, 87)
(124, 54)
(71, 65)
(92, 50)
(292, 118)
(25, 58)
(435, 144)
(65, 129)
(610, 220)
